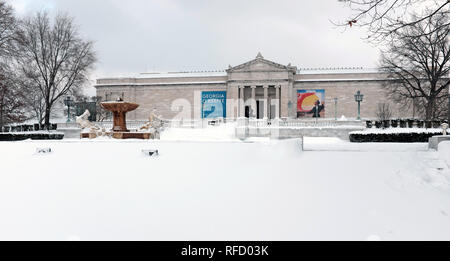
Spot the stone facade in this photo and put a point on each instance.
(259, 88)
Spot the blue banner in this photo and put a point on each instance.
(214, 104)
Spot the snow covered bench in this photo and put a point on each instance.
(151, 153)
(43, 150)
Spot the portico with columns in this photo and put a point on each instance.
(263, 89)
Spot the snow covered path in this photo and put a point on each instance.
(222, 191)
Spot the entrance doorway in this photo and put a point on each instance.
(258, 114)
(247, 111)
(272, 111)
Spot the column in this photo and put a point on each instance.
(232, 101)
(277, 99)
(266, 100)
(284, 100)
(241, 101)
(135, 101)
(253, 101)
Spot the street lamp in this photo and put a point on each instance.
(289, 109)
(358, 98)
(68, 102)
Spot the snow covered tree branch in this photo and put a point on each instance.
(385, 17)
(13, 108)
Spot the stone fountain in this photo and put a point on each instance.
(119, 109)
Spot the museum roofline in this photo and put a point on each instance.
(158, 83)
(219, 73)
(337, 70)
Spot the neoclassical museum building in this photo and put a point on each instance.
(258, 89)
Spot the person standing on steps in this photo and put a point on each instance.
(316, 109)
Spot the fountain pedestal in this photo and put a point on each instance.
(119, 123)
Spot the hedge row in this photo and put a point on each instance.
(391, 137)
(404, 123)
(27, 127)
(11, 136)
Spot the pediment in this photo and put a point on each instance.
(260, 64)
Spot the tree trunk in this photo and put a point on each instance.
(47, 117)
(1, 117)
(1, 112)
(429, 109)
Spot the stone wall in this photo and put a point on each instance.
(167, 98)
(171, 101)
(70, 133)
(286, 132)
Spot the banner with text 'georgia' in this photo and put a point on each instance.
(214, 104)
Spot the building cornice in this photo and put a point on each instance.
(158, 84)
(340, 80)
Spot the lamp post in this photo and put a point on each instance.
(358, 98)
(289, 109)
(68, 102)
(335, 108)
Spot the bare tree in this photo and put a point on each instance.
(102, 114)
(8, 27)
(36, 102)
(384, 111)
(53, 57)
(417, 64)
(385, 17)
(12, 105)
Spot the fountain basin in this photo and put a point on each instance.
(119, 110)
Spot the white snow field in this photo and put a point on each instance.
(223, 190)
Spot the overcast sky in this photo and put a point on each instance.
(171, 35)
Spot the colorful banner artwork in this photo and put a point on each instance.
(311, 103)
(214, 104)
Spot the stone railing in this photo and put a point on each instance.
(131, 125)
(136, 124)
(294, 128)
(307, 123)
(196, 123)
(258, 123)
(254, 123)
(184, 123)
(297, 123)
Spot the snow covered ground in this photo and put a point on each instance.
(223, 132)
(223, 190)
